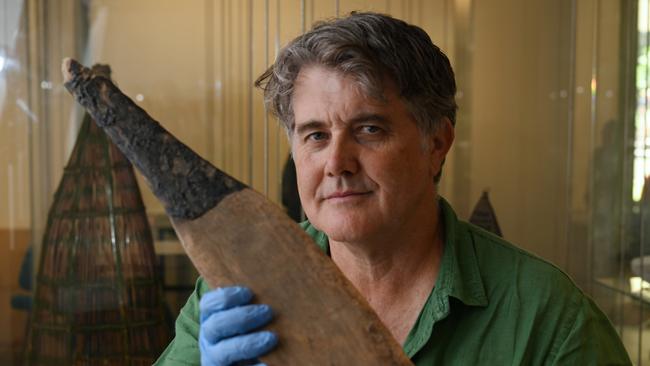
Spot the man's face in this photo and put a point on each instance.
(365, 170)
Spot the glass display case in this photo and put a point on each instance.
(618, 228)
(553, 123)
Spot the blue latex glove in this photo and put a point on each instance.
(227, 319)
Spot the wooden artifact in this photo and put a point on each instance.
(98, 299)
(234, 235)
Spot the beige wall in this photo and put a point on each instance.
(519, 119)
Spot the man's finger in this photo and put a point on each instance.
(235, 321)
(244, 347)
(223, 298)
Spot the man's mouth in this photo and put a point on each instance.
(344, 194)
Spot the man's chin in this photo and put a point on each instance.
(347, 232)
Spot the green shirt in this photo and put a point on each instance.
(493, 304)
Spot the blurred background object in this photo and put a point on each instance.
(484, 216)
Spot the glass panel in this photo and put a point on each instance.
(16, 118)
(617, 126)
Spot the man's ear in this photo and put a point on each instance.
(442, 139)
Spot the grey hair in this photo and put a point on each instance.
(368, 47)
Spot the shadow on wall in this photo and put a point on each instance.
(290, 197)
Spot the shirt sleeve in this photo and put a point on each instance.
(184, 348)
(591, 340)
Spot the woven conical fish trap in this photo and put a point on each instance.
(98, 299)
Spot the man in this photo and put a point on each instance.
(368, 104)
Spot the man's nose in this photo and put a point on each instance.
(342, 157)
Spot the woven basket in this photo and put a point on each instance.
(98, 299)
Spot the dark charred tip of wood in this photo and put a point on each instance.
(200, 195)
(187, 185)
(94, 90)
(76, 74)
(72, 70)
(102, 70)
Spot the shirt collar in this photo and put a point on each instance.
(459, 277)
(459, 274)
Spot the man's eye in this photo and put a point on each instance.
(316, 136)
(370, 129)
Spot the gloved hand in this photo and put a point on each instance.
(227, 319)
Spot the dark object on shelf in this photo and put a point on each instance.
(98, 298)
(24, 301)
(290, 197)
(235, 235)
(484, 216)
